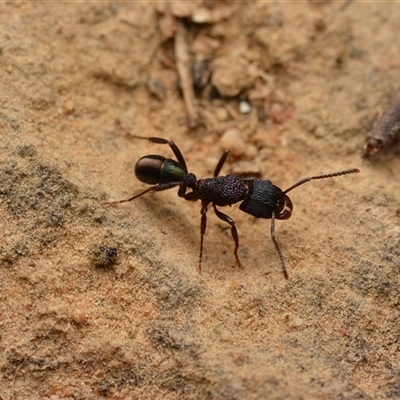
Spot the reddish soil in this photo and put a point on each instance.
(107, 302)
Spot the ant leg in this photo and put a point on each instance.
(190, 197)
(203, 226)
(158, 188)
(234, 233)
(278, 249)
(158, 140)
(221, 163)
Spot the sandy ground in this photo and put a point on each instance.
(107, 302)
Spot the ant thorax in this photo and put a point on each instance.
(221, 190)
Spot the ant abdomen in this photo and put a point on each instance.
(155, 169)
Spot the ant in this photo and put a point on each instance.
(259, 198)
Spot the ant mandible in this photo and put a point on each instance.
(258, 197)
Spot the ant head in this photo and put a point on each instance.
(263, 200)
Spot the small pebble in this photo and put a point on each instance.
(157, 88)
(102, 256)
(26, 150)
(232, 141)
(247, 168)
(244, 107)
(231, 76)
(222, 114)
(68, 107)
(79, 317)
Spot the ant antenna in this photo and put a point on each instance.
(345, 172)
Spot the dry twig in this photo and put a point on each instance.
(385, 129)
(183, 66)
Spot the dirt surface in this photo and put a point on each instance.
(107, 302)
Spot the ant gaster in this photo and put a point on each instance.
(259, 198)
